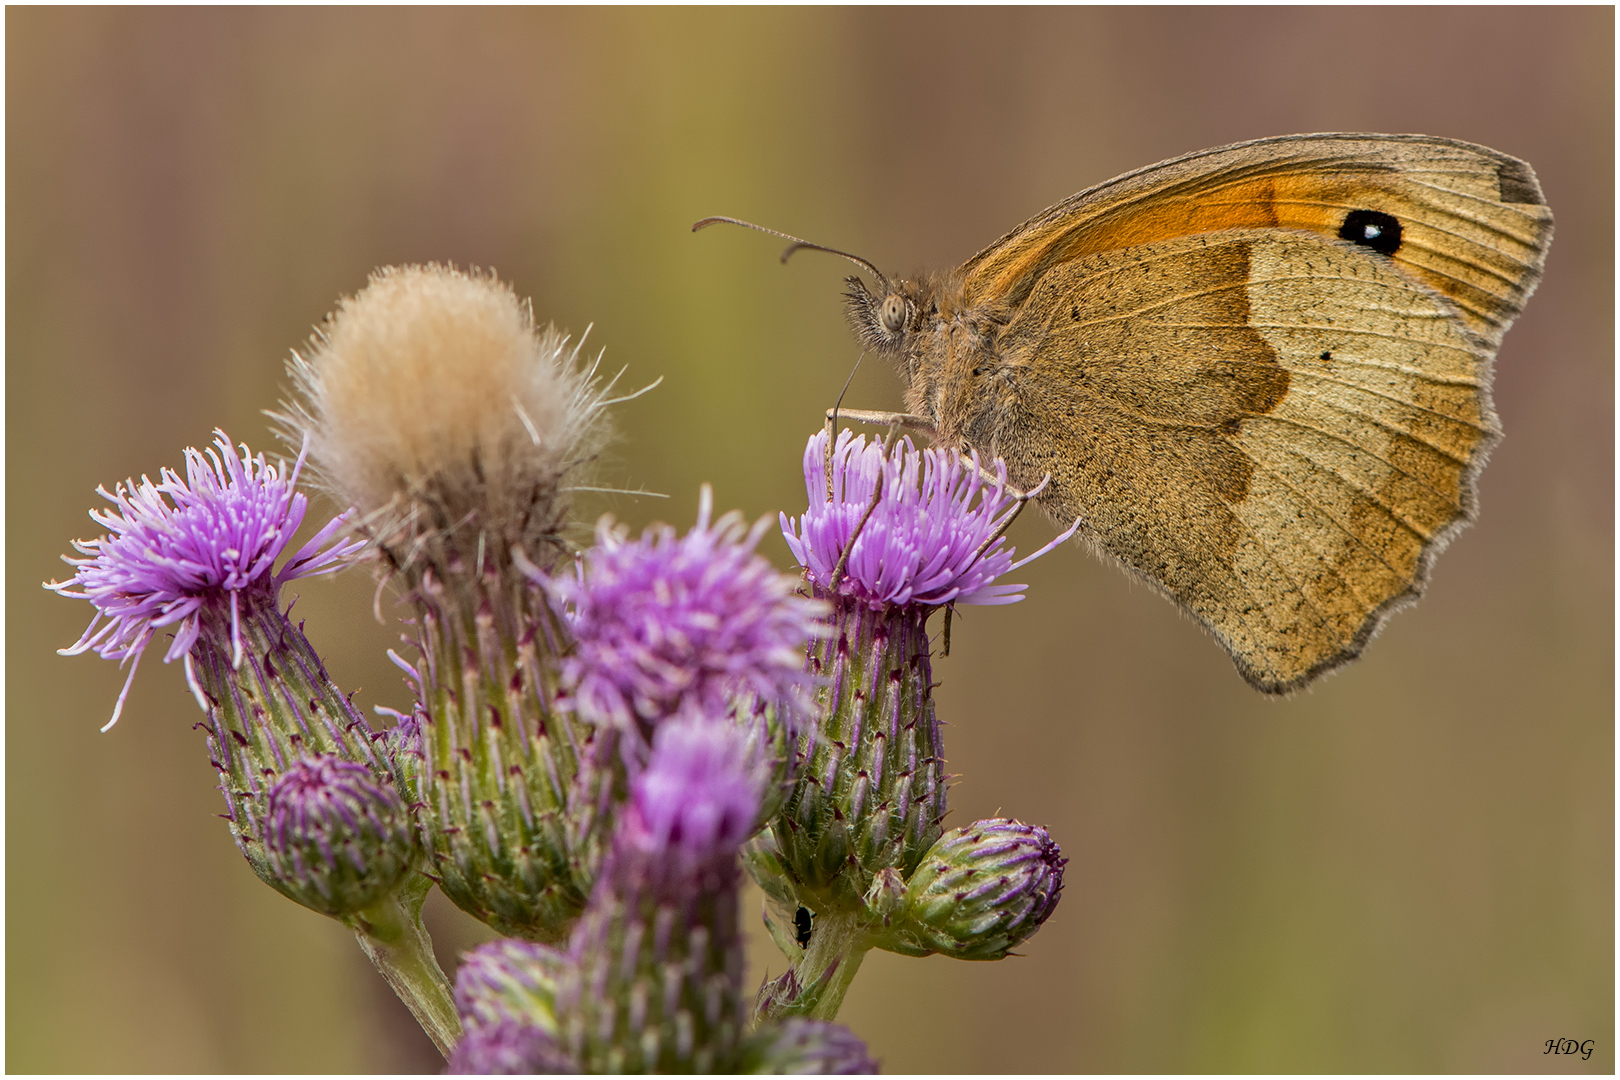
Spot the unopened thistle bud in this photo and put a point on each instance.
(510, 980)
(886, 895)
(508, 1048)
(338, 839)
(432, 403)
(980, 891)
(799, 1047)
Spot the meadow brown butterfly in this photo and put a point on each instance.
(1259, 375)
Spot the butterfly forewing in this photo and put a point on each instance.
(1475, 225)
(1260, 375)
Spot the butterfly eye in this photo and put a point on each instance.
(893, 313)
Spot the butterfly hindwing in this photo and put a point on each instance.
(1276, 428)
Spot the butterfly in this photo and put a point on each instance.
(1259, 375)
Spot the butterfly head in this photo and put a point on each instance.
(909, 320)
(894, 316)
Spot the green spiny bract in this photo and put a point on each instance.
(980, 891)
(498, 759)
(266, 714)
(871, 790)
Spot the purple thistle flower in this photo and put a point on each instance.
(667, 626)
(508, 1048)
(932, 538)
(163, 565)
(664, 910)
(337, 838)
(698, 797)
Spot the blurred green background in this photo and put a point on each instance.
(1410, 867)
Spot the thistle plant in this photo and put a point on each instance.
(598, 741)
(652, 979)
(849, 864)
(196, 553)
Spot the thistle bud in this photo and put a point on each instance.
(337, 839)
(805, 1048)
(886, 896)
(508, 1048)
(980, 891)
(509, 980)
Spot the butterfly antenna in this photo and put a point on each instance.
(796, 245)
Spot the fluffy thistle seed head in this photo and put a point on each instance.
(433, 403)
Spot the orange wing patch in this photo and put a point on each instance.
(1458, 235)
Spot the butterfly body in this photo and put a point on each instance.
(1258, 375)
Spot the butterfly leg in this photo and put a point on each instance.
(909, 421)
(877, 493)
(1023, 498)
(894, 421)
(924, 426)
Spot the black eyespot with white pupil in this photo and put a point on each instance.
(892, 314)
(1372, 229)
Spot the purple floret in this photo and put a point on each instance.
(933, 537)
(669, 626)
(700, 793)
(213, 541)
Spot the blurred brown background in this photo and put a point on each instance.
(1408, 868)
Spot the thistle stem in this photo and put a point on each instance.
(391, 933)
(836, 949)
